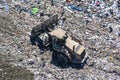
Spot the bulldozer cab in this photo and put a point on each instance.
(58, 39)
(58, 33)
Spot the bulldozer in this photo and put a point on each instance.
(67, 48)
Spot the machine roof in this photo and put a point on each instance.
(59, 33)
(70, 43)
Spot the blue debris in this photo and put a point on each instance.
(6, 7)
(75, 7)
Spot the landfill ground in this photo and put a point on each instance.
(19, 60)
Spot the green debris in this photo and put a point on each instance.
(35, 10)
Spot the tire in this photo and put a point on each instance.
(63, 57)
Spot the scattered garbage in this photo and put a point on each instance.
(110, 29)
(96, 23)
(68, 1)
(65, 7)
(97, 3)
(25, 1)
(35, 10)
(73, 7)
(111, 58)
(2, 4)
(30, 61)
(52, 2)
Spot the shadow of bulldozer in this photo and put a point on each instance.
(55, 61)
(64, 65)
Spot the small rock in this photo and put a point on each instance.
(90, 63)
(49, 75)
(1, 69)
(110, 29)
(30, 61)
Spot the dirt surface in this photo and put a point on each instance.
(7, 70)
(11, 72)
